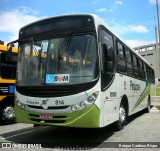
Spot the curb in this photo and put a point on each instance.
(154, 111)
(155, 98)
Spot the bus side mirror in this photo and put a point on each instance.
(9, 52)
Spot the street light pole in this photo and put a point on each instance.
(158, 37)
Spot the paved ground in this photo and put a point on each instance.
(155, 105)
(141, 127)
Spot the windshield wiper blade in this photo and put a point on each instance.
(64, 47)
(65, 44)
(33, 47)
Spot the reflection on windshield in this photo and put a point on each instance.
(39, 63)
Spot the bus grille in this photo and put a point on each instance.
(54, 91)
(46, 93)
(49, 108)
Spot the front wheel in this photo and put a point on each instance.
(7, 114)
(119, 125)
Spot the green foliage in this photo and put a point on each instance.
(158, 91)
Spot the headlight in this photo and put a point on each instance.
(74, 107)
(82, 105)
(21, 105)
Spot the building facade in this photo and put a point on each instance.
(1, 42)
(151, 54)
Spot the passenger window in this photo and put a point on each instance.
(134, 60)
(138, 63)
(8, 69)
(129, 63)
(128, 56)
(120, 50)
(106, 40)
(121, 64)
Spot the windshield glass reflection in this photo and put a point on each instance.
(71, 60)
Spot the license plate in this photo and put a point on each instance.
(46, 116)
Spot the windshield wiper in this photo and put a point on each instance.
(37, 54)
(64, 47)
(33, 46)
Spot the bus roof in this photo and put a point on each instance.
(98, 22)
(4, 48)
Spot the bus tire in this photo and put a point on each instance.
(7, 114)
(148, 104)
(119, 125)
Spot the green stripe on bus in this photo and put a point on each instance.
(88, 118)
(145, 93)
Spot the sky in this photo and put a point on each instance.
(133, 20)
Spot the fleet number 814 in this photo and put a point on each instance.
(59, 102)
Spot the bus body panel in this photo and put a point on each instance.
(88, 117)
(4, 48)
(124, 85)
(105, 109)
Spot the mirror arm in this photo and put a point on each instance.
(12, 42)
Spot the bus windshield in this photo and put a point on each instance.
(62, 61)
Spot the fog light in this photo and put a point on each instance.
(74, 107)
(83, 104)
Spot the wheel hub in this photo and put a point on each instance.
(8, 112)
(122, 115)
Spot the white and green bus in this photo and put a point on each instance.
(74, 71)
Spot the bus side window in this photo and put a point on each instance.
(148, 73)
(129, 62)
(8, 69)
(145, 71)
(153, 75)
(121, 64)
(106, 40)
(136, 68)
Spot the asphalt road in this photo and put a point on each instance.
(142, 127)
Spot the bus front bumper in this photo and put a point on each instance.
(86, 118)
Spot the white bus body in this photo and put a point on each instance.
(118, 86)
